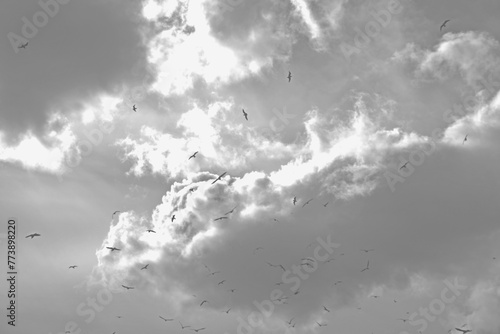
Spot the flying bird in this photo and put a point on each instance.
(221, 282)
(231, 290)
(232, 210)
(307, 202)
(127, 287)
(327, 310)
(23, 46)
(134, 108)
(464, 331)
(227, 312)
(289, 76)
(72, 267)
(33, 235)
(276, 265)
(294, 200)
(465, 139)
(151, 231)
(245, 114)
(193, 155)
(197, 330)
(290, 321)
(404, 166)
(220, 177)
(215, 272)
(203, 302)
(367, 266)
(326, 204)
(403, 320)
(114, 213)
(367, 250)
(321, 325)
(165, 319)
(182, 327)
(338, 282)
(220, 218)
(145, 267)
(443, 25)
(113, 248)
(173, 218)
(256, 249)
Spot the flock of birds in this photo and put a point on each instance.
(305, 261)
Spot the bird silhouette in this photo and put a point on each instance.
(221, 282)
(114, 213)
(220, 177)
(294, 200)
(327, 310)
(203, 302)
(173, 218)
(134, 108)
(113, 248)
(256, 249)
(321, 325)
(197, 330)
(465, 139)
(245, 114)
(464, 331)
(182, 327)
(231, 290)
(443, 25)
(145, 267)
(151, 231)
(326, 204)
(165, 319)
(303, 205)
(72, 267)
(23, 46)
(367, 266)
(367, 250)
(227, 312)
(232, 210)
(289, 76)
(33, 235)
(404, 166)
(127, 287)
(220, 218)
(193, 155)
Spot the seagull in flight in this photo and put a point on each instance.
(321, 325)
(203, 302)
(220, 218)
(165, 319)
(193, 155)
(256, 249)
(173, 218)
(151, 231)
(245, 114)
(145, 267)
(182, 327)
(307, 202)
(294, 200)
(23, 46)
(327, 310)
(33, 235)
(227, 312)
(197, 330)
(338, 282)
(443, 25)
(289, 76)
(221, 282)
(465, 139)
(72, 267)
(231, 290)
(114, 213)
(276, 265)
(464, 331)
(326, 204)
(134, 108)
(113, 248)
(367, 250)
(403, 320)
(404, 166)
(232, 210)
(215, 272)
(367, 266)
(220, 177)
(127, 287)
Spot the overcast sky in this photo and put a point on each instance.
(386, 135)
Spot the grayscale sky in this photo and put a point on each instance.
(387, 135)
